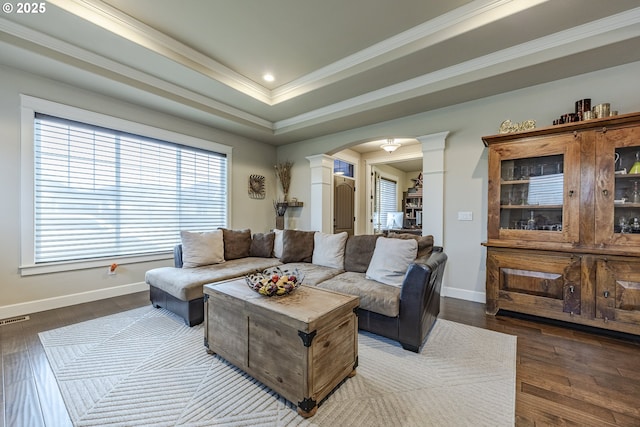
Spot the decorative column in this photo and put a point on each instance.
(321, 203)
(433, 185)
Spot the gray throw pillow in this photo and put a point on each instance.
(262, 245)
(358, 252)
(237, 243)
(297, 246)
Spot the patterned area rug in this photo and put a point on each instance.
(144, 367)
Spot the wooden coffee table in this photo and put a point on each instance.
(301, 345)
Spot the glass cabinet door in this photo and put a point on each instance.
(618, 188)
(538, 190)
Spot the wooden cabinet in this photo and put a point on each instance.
(412, 206)
(563, 231)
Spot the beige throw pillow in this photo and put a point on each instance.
(202, 248)
(328, 249)
(277, 243)
(425, 243)
(391, 259)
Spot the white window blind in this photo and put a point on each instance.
(386, 201)
(102, 193)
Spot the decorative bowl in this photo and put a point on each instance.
(274, 281)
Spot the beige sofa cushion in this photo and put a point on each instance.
(374, 296)
(313, 274)
(186, 283)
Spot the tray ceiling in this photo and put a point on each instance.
(337, 64)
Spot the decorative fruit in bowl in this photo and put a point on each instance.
(274, 281)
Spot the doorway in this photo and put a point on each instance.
(343, 204)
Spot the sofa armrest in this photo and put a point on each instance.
(420, 299)
(177, 256)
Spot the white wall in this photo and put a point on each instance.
(466, 158)
(21, 295)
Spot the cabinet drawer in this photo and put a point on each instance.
(533, 282)
(618, 290)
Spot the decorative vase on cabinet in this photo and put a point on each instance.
(561, 215)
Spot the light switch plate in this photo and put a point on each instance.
(465, 216)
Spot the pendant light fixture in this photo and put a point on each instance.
(390, 146)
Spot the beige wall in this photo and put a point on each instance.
(466, 158)
(20, 295)
(465, 175)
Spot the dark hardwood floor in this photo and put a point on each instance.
(565, 377)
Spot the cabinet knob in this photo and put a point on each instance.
(606, 294)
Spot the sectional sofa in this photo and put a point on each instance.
(397, 278)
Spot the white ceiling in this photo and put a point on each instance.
(339, 64)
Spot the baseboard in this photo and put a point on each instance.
(464, 294)
(67, 300)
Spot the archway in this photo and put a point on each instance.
(431, 148)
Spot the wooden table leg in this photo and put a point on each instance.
(309, 413)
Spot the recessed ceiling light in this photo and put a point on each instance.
(268, 77)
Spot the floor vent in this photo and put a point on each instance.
(13, 320)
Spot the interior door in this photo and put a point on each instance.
(344, 205)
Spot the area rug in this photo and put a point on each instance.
(144, 367)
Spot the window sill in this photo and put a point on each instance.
(56, 267)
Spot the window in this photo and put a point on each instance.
(101, 193)
(386, 201)
(343, 168)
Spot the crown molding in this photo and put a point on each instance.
(464, 19)
(598, 33)
(591, 35)
(117, 22)
(451, 24)
(142, 80)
